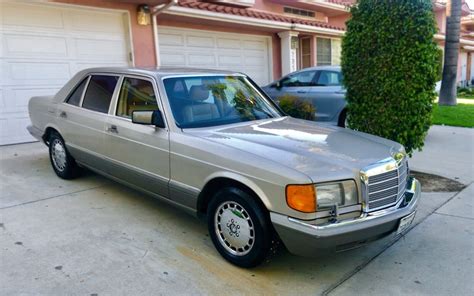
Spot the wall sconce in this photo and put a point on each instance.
(143, 15)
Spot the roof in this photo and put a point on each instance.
(342, 2)
(253, 13)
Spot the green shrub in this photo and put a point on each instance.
(295, 107)
(390, 64)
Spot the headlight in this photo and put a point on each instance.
(341, 193)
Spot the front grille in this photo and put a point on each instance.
(386, 189)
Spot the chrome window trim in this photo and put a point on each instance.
(87, 86)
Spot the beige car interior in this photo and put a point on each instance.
(136, 95)
(202, 110)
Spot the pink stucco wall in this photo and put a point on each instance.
(142, 36)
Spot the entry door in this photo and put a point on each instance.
(305, 52)
(138, 154)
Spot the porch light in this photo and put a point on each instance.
(143, 15)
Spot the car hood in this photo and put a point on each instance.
(322, 152)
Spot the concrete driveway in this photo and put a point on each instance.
(91, 236)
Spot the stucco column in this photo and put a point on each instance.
(288, 51)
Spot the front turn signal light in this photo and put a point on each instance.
(301, 198)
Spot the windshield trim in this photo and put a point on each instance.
(252, 84)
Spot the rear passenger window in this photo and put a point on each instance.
(99, 93)
(76, 95)
(136, 95)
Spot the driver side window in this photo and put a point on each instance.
(305, 78)
(136, 95)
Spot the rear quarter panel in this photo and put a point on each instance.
(42, 111)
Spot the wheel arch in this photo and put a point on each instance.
(47, 132)
(218, 181)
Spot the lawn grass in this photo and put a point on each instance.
(459, 115)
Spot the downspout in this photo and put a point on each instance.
(156, 10)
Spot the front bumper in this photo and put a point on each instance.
(306, 239)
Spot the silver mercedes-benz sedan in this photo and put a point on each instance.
(321, 86)
(213, 144)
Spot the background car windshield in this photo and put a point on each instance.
(214, 100)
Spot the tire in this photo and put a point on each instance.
(236, 217)
(342, 121)
(62, 162)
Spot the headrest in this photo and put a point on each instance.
(198, 93)
(148, 90)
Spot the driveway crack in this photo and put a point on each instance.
(50, 197)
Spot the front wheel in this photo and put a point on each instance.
(239, 227)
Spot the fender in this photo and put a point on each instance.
(244, 180)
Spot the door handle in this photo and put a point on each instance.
(63, 114)
(301, 91)
(113, 129)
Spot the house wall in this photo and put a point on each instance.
(142, 36)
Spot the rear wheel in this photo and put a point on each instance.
(239, 227)
(63, 163)
(342, 121)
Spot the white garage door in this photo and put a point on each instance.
(42, 46)
(216, 50)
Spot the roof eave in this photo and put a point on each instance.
(230, 18)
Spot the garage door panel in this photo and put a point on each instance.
(199, 41)
(254, 61)
(229, 60)
(97, 22)
(34, 46)
(216, 50)
(109, 49)
(201, 60)
(32, 16)
(12, 130)
(255, 45)
(3, 103)
(43, 46)
(170, 39)
(18, 98)
(228, 43)
(172, 58)
(34, 73)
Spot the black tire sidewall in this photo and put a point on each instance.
(71, 169)
(260, 219)
(342, 118)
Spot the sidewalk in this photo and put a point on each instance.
(434, 258)
(460, 101)
(448, 152)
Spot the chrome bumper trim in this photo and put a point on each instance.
(407, 205)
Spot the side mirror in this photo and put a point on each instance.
(148, 118)
(277, 84)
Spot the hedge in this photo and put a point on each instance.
(390, 64)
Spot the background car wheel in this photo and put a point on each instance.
(240, 228)
(63, 164)
(342, 122)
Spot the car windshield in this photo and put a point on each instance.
(201, 101)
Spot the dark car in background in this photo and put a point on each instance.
(322, 86)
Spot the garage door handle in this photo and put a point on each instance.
(63, 114)
(113, 129)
